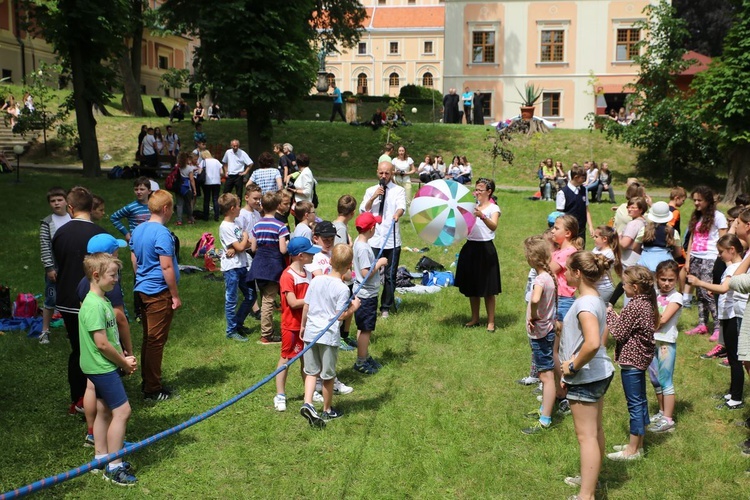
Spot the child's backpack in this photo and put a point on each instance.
(127, 173)
(176, 241)
(205, 243)
(115, 172)
(172, 182)
(25, 306)
(439, 278)
(427, 264)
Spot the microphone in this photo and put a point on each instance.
(383, 184)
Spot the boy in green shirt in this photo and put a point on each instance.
(102, 361)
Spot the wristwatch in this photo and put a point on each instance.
(571, 369)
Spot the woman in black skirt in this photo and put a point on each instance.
(478, 270)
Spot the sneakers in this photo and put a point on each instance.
(620, 456)
(344, 346)
(308, 411)
(698, 330)
(243, 330)
(528, 381)
(724, 363)
(98, 469)
(718, 351)
(536, 428)
(563, 407)
(350, 340)
(76, 408)
(88, 441)
(661, 426)
(341, 388)
(384, 314)
(365, 368)
(157, 396)
(120, 476)
(687, 304)
(714, 336)
(373, 362)
(575, 481)
(332, 414)
(317, 397)
(533, 414)
(44, 337)
(537, 389)
(279, 402)
(271, 340)
(655, 418)
(621, 447)
(726, 406)
(236, 336)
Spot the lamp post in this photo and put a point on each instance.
(18, 150)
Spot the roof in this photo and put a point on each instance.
(701, 63)
(382, 18)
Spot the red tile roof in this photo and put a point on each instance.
(405, 17)
(701, 63)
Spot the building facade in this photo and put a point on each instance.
(21, 53)
(574, 50)
(401, 44)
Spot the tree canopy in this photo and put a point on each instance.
(708, 22)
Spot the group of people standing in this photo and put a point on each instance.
(472, 111)
(13, 109)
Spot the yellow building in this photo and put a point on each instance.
(497, 47)
(401, 44)
(21, 53)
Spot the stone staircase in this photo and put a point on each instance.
(8, 140)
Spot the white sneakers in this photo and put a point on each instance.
(279, 402)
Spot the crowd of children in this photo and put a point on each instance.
(570, 297)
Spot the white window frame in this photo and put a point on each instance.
(398, 48)
(554, 118)
(556, 25)
(483, 26)
(366, 52)
(622, 24)
(432, 53)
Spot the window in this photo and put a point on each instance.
(551, 104)
(428, 47)
(381, 2)
(362, 48)
(393, 48)
(412, 2)
(483, 47)
(163, 62)
(427, 80)
(9, 75)
(331, 79)
(362, 84)
(393, 80)
(486, 104)
(626, 40)
(553, 46)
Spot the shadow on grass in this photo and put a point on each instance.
(502, 320)
(203, 376)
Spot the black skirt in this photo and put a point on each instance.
(478, 270)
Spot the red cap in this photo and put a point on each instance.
(366, 221)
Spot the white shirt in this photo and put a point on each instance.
(402, 166)
(325, 297)
(303, 231)
(213, 171)
(236, 162)
(725, 307)
(395, 199)
(172, 142)
(305, 181)
(229, 233)
(704, 244)
(560, 198)
(668, 331)
(480, 231)
(321, 262)
(147, 146)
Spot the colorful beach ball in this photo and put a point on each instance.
(442, 212)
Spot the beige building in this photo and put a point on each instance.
(21, 53)
(571, 49)
(401, 44)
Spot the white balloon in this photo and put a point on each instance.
(414, 110)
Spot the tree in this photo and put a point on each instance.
(86, 35)
(259, 55)
(42, 118)
(130, 58)
(708, 22)
(672, 141)
(174, 79)
(723, 101)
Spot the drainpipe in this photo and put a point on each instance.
(16, 21)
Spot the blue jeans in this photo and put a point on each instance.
(634, 385)
(235, 279)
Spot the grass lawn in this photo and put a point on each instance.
(441, 420)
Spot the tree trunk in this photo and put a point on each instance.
(259, 131)
(739, 170)
(131, 94)
(84, 115)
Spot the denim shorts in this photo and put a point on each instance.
(591, 392)
(109, 389)
(541, 351)
(563, 306)
(50, 293)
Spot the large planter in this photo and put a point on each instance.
(527, 112)
(351, 111)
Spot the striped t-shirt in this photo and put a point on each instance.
(268, 231)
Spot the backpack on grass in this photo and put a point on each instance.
(172, 182)
(205, 243)
(25, 306)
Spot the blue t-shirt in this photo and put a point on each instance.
(149, 241)
(337, 96)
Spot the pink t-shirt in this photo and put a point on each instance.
(545, 310)
(560, 256)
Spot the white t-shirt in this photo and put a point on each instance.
(236, 162)
(302, 230)
(480, 231)
(403, 166)
(725, 308)
(454, 170)
(230, 232)
(364, 258)
(604, 285)
(571, 340)
(629, 257)
(321, 262)
(668, 331)
(213, 171)
(529, 284)
(325, 298)
(704, 244)
(148, 145)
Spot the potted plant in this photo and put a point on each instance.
(530, 96)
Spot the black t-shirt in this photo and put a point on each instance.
(69, 247)
(114, 295)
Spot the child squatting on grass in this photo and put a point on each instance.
(327, 295)
(102, 361)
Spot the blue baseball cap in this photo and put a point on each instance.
(105, 243)
(300, 244)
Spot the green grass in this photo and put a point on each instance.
(441, 420)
